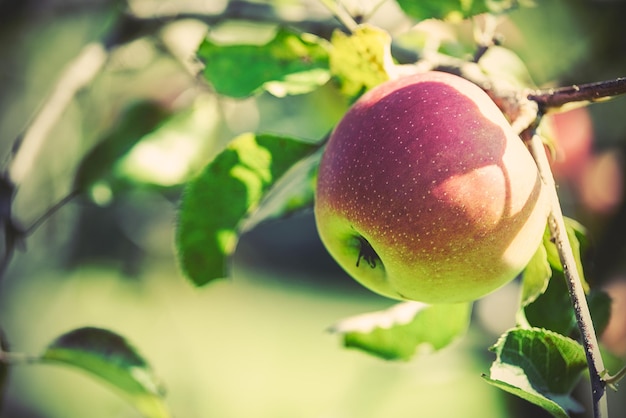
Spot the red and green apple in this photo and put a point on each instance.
(426, 193)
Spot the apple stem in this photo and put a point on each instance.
(556, 224)
(553, 99)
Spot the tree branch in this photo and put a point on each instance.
(551, 99)
(79, 73)
(556, 224)
(135, 26)
(11, 358)
(340, 13)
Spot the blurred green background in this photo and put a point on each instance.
(256, 345)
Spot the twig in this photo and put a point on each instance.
(341, 14)
(576, 291)
(15, 235)
(49, 212)
(486, 36)
(256, 12)
(12, 358)
(592, 92)
(612, 379)
(78, 74)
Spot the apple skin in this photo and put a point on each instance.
(426, 193)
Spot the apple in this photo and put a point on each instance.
(600, 183)
(426, 193)
(614, 335)
(595, 177)
(573, 135)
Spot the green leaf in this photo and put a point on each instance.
(536, 276)
(577, 236)
(600, 309)
(552, 252)
(553, 309)
(539, 366)
(546, 303)
(361, 60)
(398, 332)
(294, 191)
(135, 122)
(168, 155)
(455, 9)
(110, 357)
(548, 405)
(216, 202)
(291, 63)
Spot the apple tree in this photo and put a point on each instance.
(440, 180)
(538, 360)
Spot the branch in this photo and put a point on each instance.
(11, 358)
(132, 26)
(574, 283)
(79, 73)
(341, 14)
(49, 212)
(552, 99)
(86, 66)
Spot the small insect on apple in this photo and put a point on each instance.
(426, 193)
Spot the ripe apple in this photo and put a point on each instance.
(572, 132)
(426, 193)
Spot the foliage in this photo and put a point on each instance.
(241, 174)
(291, 63)
(136, 122)
(396, 333)
(540, 366)
(359, 61)
(452, 9)
(259, 176)
(109, 357)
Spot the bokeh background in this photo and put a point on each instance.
(257, 345)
